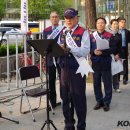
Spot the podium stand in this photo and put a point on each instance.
(47, 47)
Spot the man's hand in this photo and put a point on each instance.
(117, 57)
(98, 52)
(66, 49)
(62, 46)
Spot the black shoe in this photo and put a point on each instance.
(124, 82)
(106, 108)
(69, 128)
(98, 106)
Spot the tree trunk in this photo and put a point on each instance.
(90, 12)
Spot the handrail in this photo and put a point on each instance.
(8, 85)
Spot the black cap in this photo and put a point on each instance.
(70, 12)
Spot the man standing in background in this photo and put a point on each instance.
(52, 32)
(101, 64)
(125, 34)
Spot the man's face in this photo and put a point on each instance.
(122, 24)
(54, 18)
(71, 22)
(100, 24)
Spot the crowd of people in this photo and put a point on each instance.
(77, 42)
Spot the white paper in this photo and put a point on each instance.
(116, 66)
(102, 44)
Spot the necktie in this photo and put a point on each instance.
(123, 38)
(54, 28)
(70, 31)
(54, 61)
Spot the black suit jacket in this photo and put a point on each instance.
(124, 50)
(47, 31)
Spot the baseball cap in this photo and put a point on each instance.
(70, 12)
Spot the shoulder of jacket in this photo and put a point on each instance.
(108, 34)
(48, 28)
(80, 30)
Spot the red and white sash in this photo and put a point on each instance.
(55, 32)
(53, 35)
(84, 67)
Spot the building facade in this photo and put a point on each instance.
(80, 6)
(108, 9)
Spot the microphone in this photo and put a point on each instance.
(66, 31)
(66, 49)
(64, 35)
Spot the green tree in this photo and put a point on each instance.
(40, 9)
(2, 8)
(90, 9)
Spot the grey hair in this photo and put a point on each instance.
(54, 12)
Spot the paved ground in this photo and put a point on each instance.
(96, 120)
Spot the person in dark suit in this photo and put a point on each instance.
(52, 61)
(76, 43)
(125, 34)
(113, 28)
(101, 64)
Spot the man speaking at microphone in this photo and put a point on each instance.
(76, 43)
(52, 32)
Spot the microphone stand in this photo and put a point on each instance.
(67, 71)
(48, 121)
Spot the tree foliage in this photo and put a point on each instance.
(40, 9)
(2, 8)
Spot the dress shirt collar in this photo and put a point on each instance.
(54, 27)
(74, 28)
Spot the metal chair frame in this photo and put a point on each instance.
(26, 73)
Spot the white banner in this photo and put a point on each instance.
(24, 15)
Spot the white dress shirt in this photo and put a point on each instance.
(84, 49)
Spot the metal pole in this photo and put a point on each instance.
(25, 51)
(118, 8)
(102, 7)
(41, 66)
(124, 8)
(6, 5)
(8, 70)
(17, 61)
(76, 4)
